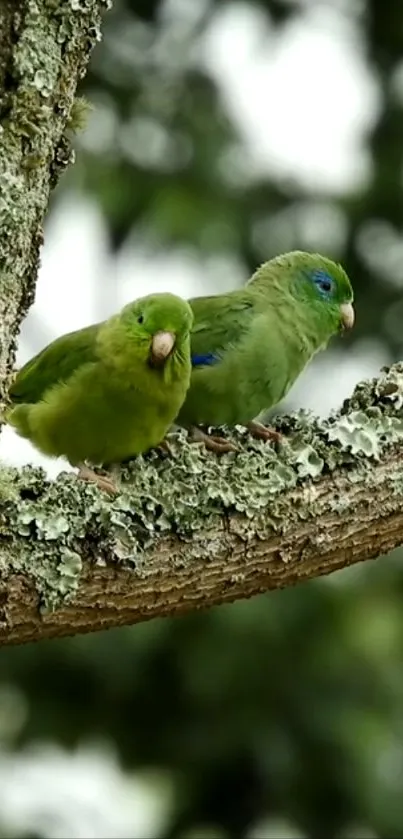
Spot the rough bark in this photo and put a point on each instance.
(44, 50)
(192, 529)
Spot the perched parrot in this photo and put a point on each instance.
(110, 391)
(249, 346)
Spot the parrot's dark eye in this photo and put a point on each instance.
(140, 319)
(325, 285)
(323, 282)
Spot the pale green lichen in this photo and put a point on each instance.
(65, 579)
(308, 461)
(385, 392)
(366, 433)
(39, 69)
(45, 48)
(46, 527)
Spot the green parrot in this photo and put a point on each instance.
(249, 346)
(110, 391)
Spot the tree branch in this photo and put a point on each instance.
(193, 530)
(44, 50)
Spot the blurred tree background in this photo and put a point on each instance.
(282, 716)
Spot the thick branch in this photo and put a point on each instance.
(44, 50)
(195, 530)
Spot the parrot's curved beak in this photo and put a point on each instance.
(347, 315)
(162, 346)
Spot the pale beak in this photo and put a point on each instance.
(347, 315)
(162, 345)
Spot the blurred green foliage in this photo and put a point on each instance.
(164, 157)
(290, 705)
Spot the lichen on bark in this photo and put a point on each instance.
(45, 46)
(51, 530)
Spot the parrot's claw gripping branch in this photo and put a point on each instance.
(264, 432)
(164, 447)
(213, 443)
(101, 481)
(220, 445)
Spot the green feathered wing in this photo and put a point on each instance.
(54, 364)
(231, 366)
(220, 322)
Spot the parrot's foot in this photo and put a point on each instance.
(164, 446)
(102, 481)
(264, 432)
(219, 445)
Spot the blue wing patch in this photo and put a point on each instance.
(204, 360)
